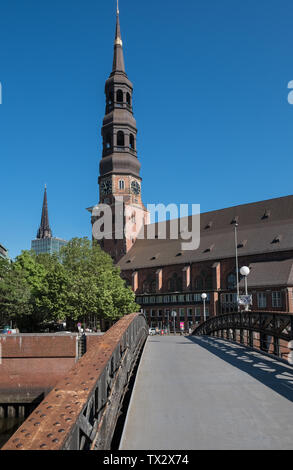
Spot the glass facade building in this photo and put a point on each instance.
(3, 252)
(47, 245)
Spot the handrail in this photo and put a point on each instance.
(81, 412)
(278, 324)
(270, 332)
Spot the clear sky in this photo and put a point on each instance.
(210, 100)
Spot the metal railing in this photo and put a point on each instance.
(270, 332)
(81, 412)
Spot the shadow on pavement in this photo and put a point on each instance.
(268, 370)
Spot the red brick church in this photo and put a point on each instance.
(165, 278)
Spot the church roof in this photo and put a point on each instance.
(270, 273)
(263, 227)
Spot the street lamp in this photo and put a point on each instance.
(244, 271)
(204, 296)
(168, 322)
(236, 256)
(174, 314)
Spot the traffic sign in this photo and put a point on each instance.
(245, 300)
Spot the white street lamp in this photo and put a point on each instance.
(204, 296)
(174, 314)
(236, 257)
(244, 271)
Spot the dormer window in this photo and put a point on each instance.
(209, 249)
(266, 214)
(242, 244)
(277, 239)
(153, 258)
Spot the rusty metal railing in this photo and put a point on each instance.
(81, 412)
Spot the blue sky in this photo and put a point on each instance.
(210, 100)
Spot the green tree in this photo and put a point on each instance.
(97, 288)
(53, 298)
(15, 293)
(79, 283)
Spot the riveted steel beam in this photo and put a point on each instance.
(81, 412)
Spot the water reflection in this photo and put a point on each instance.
(8, 426)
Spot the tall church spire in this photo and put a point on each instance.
(119, 126)
(118, 61)
(44, 230)
(119, 178)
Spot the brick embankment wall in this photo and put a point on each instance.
(32, 364)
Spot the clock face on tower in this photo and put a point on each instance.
(135, 187)
(106, 186)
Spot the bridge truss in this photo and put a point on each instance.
(268, 331)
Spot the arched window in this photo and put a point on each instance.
(198, 283)
(153, 286)
(175, 283)
(121, 184)
(209, 282)
(145, 287)
(128, 99)
(179, 284)
(171, 287)
(119, 96)
(131, 141)
(120, 139)
(108, 141)
(231, 281)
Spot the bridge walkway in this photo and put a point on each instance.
(207, 393)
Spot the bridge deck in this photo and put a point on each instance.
(206, 393)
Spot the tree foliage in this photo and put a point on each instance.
(78, 283)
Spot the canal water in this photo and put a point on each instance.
(8, 426)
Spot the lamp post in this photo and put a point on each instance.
(236, 256)
(244, 271)
(204, 296)
(174, 314)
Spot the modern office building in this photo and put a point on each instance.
(45, 242)
(3, 252)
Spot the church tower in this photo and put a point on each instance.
(119, 178)
(45, 242)
(44, 229)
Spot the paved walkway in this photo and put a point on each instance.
(205, 393)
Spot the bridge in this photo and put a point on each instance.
(229, 385)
